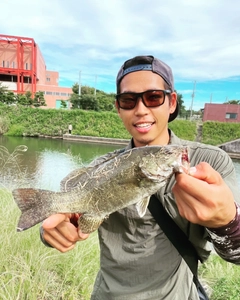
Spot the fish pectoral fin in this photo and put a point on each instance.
(89, 223)
(142, 206)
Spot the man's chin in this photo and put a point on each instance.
(142, 142)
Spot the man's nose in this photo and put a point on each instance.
(140, 106)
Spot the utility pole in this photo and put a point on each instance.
(211, 98)
(193, 95)
(95, 86)
(79, 84)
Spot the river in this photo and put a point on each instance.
(47, 161)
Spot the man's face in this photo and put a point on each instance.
(147, 126)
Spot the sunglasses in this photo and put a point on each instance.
(150, 98)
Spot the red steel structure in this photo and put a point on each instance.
(24, 69)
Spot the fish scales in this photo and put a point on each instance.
(130, 177)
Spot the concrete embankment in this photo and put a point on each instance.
(232, 148)
(91, 139)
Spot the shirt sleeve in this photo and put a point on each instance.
(226, 239)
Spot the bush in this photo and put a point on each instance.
(216, 133)
(54, 122)
(16, 130)
(4, 124)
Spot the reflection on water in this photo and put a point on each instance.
(236, 163)
(53, 164)
(47, 161)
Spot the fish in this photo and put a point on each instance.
(96, 191)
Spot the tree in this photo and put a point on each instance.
(75, 88)
(25, 100)
(6, 96)
(106, 101)
(182, 109)
(89, 102)
(91, 99)
(75, 100)
(39, 100)
(63, 104)
(3, 89)
(232, 102)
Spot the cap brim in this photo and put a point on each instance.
(174, 114)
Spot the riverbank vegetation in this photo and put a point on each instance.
(17, 120)
(31, 271)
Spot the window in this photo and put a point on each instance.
(63, 94)
(48, 79)
(231, 115)
(48, 93)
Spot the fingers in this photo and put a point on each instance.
(52, 221)
(205, 172)
(60, 233)
(204, 198)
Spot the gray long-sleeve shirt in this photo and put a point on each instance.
(136, 258)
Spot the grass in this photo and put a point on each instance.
(25, 121)
(29, 270)
(222, 277)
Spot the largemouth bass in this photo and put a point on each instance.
(125, 178)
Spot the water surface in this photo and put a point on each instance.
(48, 161)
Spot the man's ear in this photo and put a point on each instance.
(173, 102)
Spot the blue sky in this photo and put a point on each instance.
(199, 39)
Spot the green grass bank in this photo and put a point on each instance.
(24, 121)
(31, 271)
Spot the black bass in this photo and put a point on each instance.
(125, 178)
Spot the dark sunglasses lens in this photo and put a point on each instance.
(127, 101)
(150, 99)
(153, 98)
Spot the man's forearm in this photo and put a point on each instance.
(226, 239)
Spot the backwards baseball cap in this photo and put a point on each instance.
(148, 63)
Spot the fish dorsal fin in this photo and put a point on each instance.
(142, 206)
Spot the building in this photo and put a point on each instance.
(22, 68)
(221, 112)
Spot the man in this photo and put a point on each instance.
(137, 259)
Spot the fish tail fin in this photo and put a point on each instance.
(33, 204)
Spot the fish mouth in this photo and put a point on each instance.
(182, 164)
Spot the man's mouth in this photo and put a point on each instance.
(143, 125)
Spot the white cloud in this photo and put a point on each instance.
(200, 39)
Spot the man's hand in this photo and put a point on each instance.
(61, 232)
(204, 198)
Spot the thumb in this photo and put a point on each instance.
(205, 172)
